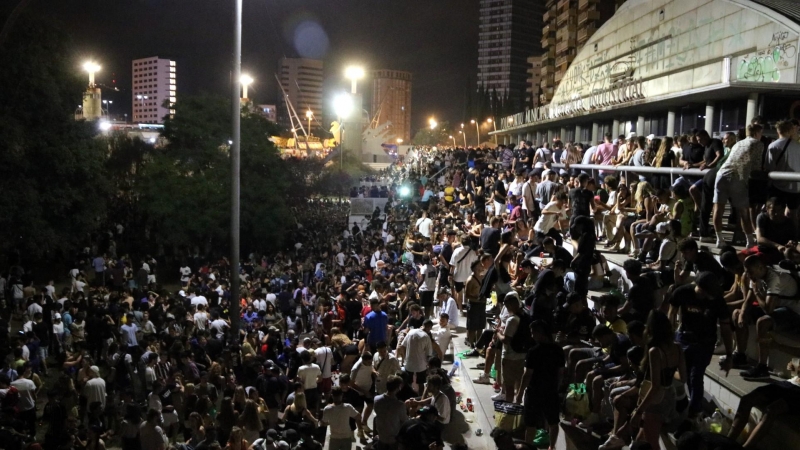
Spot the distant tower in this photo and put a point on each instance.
(153, 93)
(92, 101)
(391, 101)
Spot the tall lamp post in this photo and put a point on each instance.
(245, 80)
(464, 135)
(108, 106)
(309, 116)
(454, 140)
(354, 73)
(477, 131)
(236, 119)
(343, 107)
(494, 124)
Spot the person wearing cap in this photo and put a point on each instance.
(701, 308)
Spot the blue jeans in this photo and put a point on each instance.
(698, 357)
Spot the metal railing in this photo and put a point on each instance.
(673, 172)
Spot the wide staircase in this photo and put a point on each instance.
(725, 392)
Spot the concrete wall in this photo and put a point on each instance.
(678, 45)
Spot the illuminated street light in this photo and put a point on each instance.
(245, 80)
(309, 116)
(432, 122)
(399, 141)
(104, 125)
(477, 131)
(354, 73)
(91, 67)
(343, 107)
(454, 140)
(465, 136)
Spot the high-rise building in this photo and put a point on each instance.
(391, 101)
(508, 35)
(268, 111)
(153, 84)
(534, 81)
(567, 25)
(301, 79)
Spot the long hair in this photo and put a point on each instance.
(299, 404)
(249, 418)
(643, 190)
(666, 146)
(657, 333)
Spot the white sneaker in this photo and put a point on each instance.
(501, 397)
(482, 379)
(614, 442)
(721, 243)
(590, 421)
(707, 239)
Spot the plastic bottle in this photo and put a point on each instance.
(715, 424)
(454, 370)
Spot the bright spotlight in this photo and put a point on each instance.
(343, 105)
(405, 191)
(105, 125)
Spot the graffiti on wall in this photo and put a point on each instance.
(766, 65)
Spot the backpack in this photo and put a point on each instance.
(521, 341)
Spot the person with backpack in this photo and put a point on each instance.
(516, 343)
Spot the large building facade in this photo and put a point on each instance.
(391, 101)
(301, 79)
(533, 89)
(705, 64)
(153, 85)
(566, 26)
(508, 35)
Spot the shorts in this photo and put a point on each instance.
(426, 299)
(728, 189)
(767, 253)
(541, 409)
(698, 184)
(325, 385)
(512, 370)
(792, 200)
(458, 286)
(476, 316)
(351, 349)
(312, 397)
(786, 320)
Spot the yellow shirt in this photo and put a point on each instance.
(618, 326)
(449, 193)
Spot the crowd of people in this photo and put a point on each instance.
(343, 336)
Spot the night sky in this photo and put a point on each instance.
(436, 40)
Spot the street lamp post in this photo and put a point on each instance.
(236, 116)
(477, 131)
(454, 140)
(245, 80)
(108, 106)
(354, 73)
(309, 116)
(464, 135)
(494, 124)
(343, 106)
(91, 67)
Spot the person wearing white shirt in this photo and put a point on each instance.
(418, 347)
(260, 304)
(310, 374)
(529, 197)
(424, 225)
(201, 318)
(199, 300)
(26, 406)
(186, 274)
(435, 397)
(441, 335)
(272, 298)
(449, 307)
(386, 365)
(34, 308)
